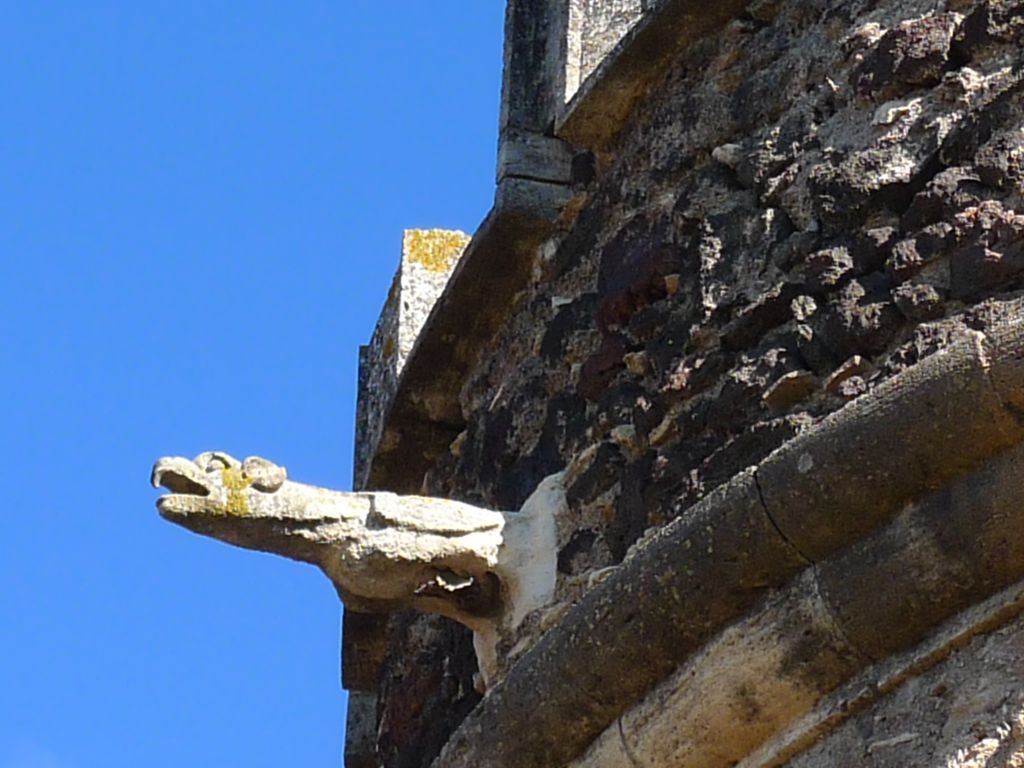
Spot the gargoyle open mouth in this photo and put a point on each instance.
(179, 476)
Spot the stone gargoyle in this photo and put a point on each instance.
(484, 569)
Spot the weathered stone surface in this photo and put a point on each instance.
(750, 681)
(650, 614)
(922, 412)
(919, 302)
(533, 84)
(603, 24)
(426, 416)
(992, 250)
(428, 259)
(361, 731)
(790, 389)
(939, 557)
(534, 156)
(602, 104)
(996, 21)
(363, 635)
(1006, 350)
(855, 367)
(748, 533)
(880, 597)
(953, 702)
(422, 675)
(912, 54)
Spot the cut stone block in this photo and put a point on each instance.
(602, 24)
(428, 258)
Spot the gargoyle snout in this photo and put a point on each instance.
(179, 476)
(213, 484)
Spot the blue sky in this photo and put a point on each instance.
(201, 208)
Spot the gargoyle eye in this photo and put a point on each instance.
(265, 475)
(212, 461)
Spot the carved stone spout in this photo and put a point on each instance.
(382, 552)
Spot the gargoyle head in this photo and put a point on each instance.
(248, 503)
(213, 484)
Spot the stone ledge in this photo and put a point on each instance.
(768, 675)
(863, 692)
(605, 99)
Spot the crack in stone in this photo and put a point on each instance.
(775, 525)
(625, 745)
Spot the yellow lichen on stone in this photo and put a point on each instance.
(236, 483)
(435, 249)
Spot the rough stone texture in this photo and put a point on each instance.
(743, 686)
(656, 610)
(360, 730)
(967, 712)
(632, 45)
(827, 191)
(424, 674)
(428, 258)
(603, 24)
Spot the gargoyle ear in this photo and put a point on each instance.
(265, 475)
(210, 461)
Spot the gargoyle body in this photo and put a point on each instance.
(381, 551)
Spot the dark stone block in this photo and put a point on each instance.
(912, 54)
(578, 547)
(745, 450)
(950, 191)
(428, 689)
(977, 270)
(869, 248)
(860, 321)
(666, 349)
(602, 473)
(919, 302)
(570, 319)
(631, 510)
(1000, 162)
(770, 311)
(1003, 112)
(600, 368)
(993, 21)
(633, 266)
(992, 254)
(584, 169)
(825, 269)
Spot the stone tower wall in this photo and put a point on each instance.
(802, 201)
